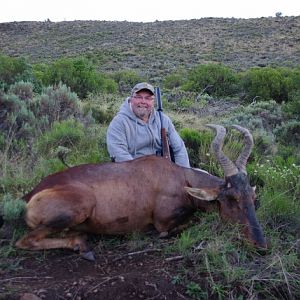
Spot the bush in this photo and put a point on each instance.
(264, 84)
(12, 209)
(16, 119)
(213, 79)
(288, 133)
(100, 114)
(198, 147)
(292, 108)
(67, 133)
(56, 104)
(14, 69)
(126, 80)
(77, 73)
(174, 80)
(261, 119)
(102, 107)
(265, 115)
(24, 90)
(192, 140)
(292, 79)
(80, 144)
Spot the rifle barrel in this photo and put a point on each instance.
(158, 99)
(164, 139)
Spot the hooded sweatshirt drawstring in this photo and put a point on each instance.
(136, 134)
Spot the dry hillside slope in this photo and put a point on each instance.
(159, 46)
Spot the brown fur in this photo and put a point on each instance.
(115, 198)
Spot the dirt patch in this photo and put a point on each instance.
(117, 273)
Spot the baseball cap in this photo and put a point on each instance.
(142, 86)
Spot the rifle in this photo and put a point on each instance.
(164, 139)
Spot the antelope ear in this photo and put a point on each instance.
(202, 194)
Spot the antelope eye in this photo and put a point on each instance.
(232, 201)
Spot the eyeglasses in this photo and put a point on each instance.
(147, 98)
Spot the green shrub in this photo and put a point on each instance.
(84, 145)
(292, 108)
(184, 103)
(193, 141)
(55, 104)
(288, 133)
(12, 208)
(174, 80)
(126, 80)
(88, 145)
(261, 118)
(24, 90)
(106, 85)
(264, 84)
(16, 119)
(67, 133)
(180, 100)
(265, 115)
(292, 80)
(77, 73)
(198, 147)
(14, 69)
(213, 79)
(102, 107)
(102, 115)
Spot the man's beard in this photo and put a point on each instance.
(142, 112)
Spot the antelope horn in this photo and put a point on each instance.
(216, 145)
(248, 141)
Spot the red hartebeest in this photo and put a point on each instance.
(116, 198)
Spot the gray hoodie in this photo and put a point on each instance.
(129, 137)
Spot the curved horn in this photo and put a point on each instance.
(217, 144)
(248, 141)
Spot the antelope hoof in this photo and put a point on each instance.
(89, 255)
(163, 234)
(76, 248)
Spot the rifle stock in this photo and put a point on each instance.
(164, 138)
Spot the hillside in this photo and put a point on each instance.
(160, 47)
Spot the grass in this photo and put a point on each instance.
(222, 265)
(280, 193)
(215, 262)
(195, 291)
(238, 274)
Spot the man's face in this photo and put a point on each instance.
(142, 104)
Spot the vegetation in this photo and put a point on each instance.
(268, 83)
(214, 79)
(78, 74)
(63, 109)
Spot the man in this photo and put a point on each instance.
(136, 130)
